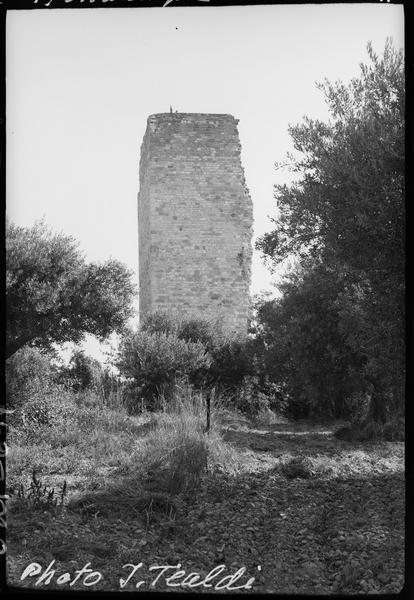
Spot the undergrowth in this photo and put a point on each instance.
(179, 450)
(391, 431)
(37, 495)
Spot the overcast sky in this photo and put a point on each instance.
(81, 84)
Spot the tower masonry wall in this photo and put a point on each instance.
(195, 219)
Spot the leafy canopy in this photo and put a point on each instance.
(54, 296)
(340, 322)
(351, 184)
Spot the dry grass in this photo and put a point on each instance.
(108, 456)
(178, 451)
(137, 486)
(96, 435)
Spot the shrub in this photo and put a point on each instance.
(231, 357)
(155, 361)
(46, 409)
(192, 329)
(231, 363)
(28, 372)
(83, 372)
(249, 399)
(168, 348)
(159, 322)
(394, 430)
(200, 330)
(253, 396)
(32, 391)
(372, 431)
(358, 407)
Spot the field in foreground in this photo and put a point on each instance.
(302, 511)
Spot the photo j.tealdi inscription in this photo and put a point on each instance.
(173, 576)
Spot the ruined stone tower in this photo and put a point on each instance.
(194, 219)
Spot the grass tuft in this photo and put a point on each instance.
(178, 452)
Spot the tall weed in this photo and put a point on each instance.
(176, 454)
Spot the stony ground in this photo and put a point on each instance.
(337, 528)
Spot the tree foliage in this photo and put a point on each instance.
(168, 348)
(54, 296)
(351, 188)
(83, 372)
(154, 361)
(304, 348)
(342, 316)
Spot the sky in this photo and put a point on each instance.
(81, 84)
